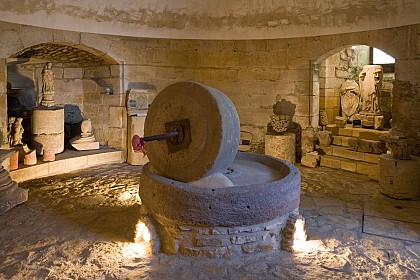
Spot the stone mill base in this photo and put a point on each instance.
(220, 242)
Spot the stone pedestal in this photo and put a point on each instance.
(48, 129)
(399, 178)
(10, 194)
(135, 126)
(281, 146)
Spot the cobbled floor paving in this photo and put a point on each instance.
(80, 225)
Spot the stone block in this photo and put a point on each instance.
(348, 165)
(10, 43)
(399, 178)
(97, 72)
(116, 117)
(116, 137)
(324, 150)
(76, 163)
(337, 140)
(56, 167)
(345, 141)
(99, 42)
(324, 138)
(110, 157)
(281, 146)
(367, 146)
(345, 153)
(330, 162)
(90, 86)
(73, 73)
(332, 102)
(372, 158)
(30, 35)
(36, 171)
(372, 170)
(310, 160)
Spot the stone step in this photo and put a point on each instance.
(341, 140)
(361, 167)
(67, 161)
(345, 153)
(357, 132)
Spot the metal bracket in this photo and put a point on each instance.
(183, 140)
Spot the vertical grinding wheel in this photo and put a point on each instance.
(210, 131)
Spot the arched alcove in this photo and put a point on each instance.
(343, 64)
(83, 76)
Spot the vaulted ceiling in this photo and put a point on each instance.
(216, 19)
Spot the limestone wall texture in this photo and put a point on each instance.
(217, 19)
(254, 74)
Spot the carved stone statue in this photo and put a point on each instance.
(17, 132)
(370, 81)
(10, 130)
(350, 99)
(47, 90)
(86, 140)
(86, 128)
(280, 123)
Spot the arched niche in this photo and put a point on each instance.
(82, 76)
(342, 64)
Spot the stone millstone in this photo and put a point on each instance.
(214, 128)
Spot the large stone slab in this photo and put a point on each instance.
(391, 228)
(367, 146)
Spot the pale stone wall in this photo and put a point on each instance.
(254, 74)
(329, 89)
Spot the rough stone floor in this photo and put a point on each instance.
(79, 226)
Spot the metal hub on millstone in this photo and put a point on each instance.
(207, 131)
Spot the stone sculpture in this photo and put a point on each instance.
(10, 130)
(17, 132)
(86, 140)
(370, 81)
(349, 98)
(280, 123)
(47, 120)
(48, 90)
(323, 119)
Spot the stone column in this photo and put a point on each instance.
(406, 98)
(281, 146)
(399, 172)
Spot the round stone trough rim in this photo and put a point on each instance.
(159, 196)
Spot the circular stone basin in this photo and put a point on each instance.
(264, 188)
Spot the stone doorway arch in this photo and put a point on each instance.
(332, 69)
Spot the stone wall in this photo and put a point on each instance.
(254, 74)
(335, 70)
(219, 242)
